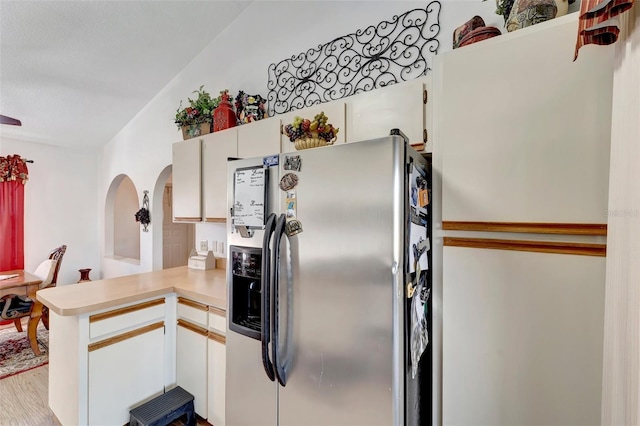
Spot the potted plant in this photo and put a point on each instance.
(196, 118)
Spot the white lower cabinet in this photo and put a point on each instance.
(191, 351)
(123, 374)
(191, 363)
(105, 363)
(216, 378)
(216, 365)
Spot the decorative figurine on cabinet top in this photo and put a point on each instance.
(250, 108)
(305, 133)
(223, 116)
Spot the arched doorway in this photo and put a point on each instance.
(172, 242)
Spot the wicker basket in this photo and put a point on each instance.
(313, 142)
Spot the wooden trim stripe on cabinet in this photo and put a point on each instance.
(583, 249)
(216, 219)
(188, 219)
(217, 337)
(124, 336)
(125, 310)
(529, 227)
(190, 326)
(191, 303)
(218, 311)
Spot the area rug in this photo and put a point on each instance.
(16, 355)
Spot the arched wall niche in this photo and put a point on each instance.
(122, 232)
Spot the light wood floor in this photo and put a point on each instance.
(24, 399)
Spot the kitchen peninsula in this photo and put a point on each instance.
(116, 343)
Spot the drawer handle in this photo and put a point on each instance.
(192, 327)
(125, 310)
(124, 336)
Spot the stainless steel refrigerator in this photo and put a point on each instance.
(325, 246)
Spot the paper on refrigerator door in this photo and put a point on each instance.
(418, 201)
(419, 332)
(418, 247)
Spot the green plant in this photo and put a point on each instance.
(200, 109)
(503, 7)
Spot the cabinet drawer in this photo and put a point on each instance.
(127, 317)
(192, 311)
(217, 319)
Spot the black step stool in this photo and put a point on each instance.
(164, 409)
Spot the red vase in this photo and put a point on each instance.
(223, 116)
(84, 274)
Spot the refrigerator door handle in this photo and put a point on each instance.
(265, 283)
(281, 372)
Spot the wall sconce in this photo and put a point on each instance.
(143, 216)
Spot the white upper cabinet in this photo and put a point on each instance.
(401, 106)
(260, 138)
(335, 112)
(187, 177)
(216, 148)
(523, 131)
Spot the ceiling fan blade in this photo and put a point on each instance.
(8, 120)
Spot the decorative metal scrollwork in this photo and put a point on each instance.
(374, 57)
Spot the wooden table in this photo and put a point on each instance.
(25, 284)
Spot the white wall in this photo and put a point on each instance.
(238, 59)
(60, 206)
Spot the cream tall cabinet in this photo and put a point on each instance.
(521, 164)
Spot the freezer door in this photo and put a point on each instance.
(251, 397)
(338, 292)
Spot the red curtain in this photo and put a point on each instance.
(13, 176)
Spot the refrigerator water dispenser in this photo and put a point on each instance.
(246, 292)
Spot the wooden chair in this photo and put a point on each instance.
(15, 308)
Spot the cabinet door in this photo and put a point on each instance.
(260, 138)
(187, 181)
(335, 112)
(373, 114)
(525, 137)
(216, 379)
(124, 374)
(216, 148)
(523, 336)
(191, 363)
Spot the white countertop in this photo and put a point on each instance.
(208, 287)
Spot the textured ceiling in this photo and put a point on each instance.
(76, 72)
